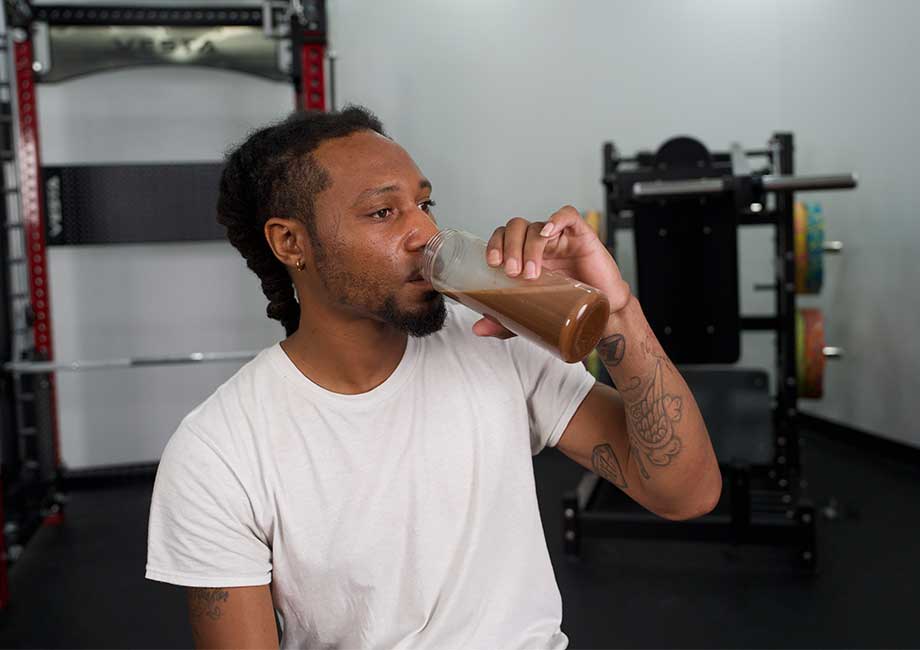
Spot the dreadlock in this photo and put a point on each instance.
(273, 173)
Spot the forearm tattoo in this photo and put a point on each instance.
(653, 419)
(612, 349)
(652, 412)
(634, 384)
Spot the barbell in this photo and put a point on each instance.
(766, 183)
(45, 367)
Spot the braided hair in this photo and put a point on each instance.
(273, 173)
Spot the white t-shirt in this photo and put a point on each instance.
(404, 517)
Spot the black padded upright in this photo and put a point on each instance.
(687, 268)
(121, 204)
(735, 403)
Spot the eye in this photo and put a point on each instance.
(382, 213)
(427, 205)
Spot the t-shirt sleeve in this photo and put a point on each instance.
(202, 530)
(553, 388)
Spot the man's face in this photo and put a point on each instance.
(372, 223)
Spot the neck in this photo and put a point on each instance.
(347, 355)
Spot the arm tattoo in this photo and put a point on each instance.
(606, 465)
(651, 348)
(634, 384)
(634, 452)
(206, 602)
(612, 349)
(653, 418)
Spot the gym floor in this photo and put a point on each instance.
(81, 585)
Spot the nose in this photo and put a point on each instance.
(422, 229)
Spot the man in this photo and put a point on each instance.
(369, 477)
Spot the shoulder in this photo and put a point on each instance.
(223, 416)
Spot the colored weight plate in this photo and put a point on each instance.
(800, 243)
(808, 241)
(593, 362)
(810, 353)
(814, 278)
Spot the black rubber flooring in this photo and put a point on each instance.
(81, 585)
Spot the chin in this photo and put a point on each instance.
(423, 320)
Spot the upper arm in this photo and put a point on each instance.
(597, 438)
(232, 617)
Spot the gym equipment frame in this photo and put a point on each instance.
(684, 187)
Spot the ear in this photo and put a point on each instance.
(288, 240)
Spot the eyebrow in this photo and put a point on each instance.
(423, 184)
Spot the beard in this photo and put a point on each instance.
(428, 321)
(364, 291)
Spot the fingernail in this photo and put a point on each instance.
(494, 258)
(547, 229)
(530, 270)
(511, 267)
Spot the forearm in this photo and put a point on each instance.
(670, 456)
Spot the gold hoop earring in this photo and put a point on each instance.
(300, 265)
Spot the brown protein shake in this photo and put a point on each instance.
(568, 321)
(556, 312)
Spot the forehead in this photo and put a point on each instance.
(365, 159)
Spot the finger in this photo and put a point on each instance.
(533, 250)
(495, 246)
(488, 326)
(513, 249)
(564, 217)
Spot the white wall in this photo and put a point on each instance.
(505, 106)
(139, 300)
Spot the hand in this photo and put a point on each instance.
(564, 243)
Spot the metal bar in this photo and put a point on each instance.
(757, 219)
(44, 367)
(9, 442)
(770, 183)
(4, 577)
(571, 539)
(672, 188)
(313, 86)
(32, 204)
(831, 352)
(786, 357)
(740, 164)
(800, 183)
(759, 323)
(586, 490)
(33, 216)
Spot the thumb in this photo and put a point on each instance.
(488, 326)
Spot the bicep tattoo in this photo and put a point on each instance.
(206, 602)
(605, 464)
